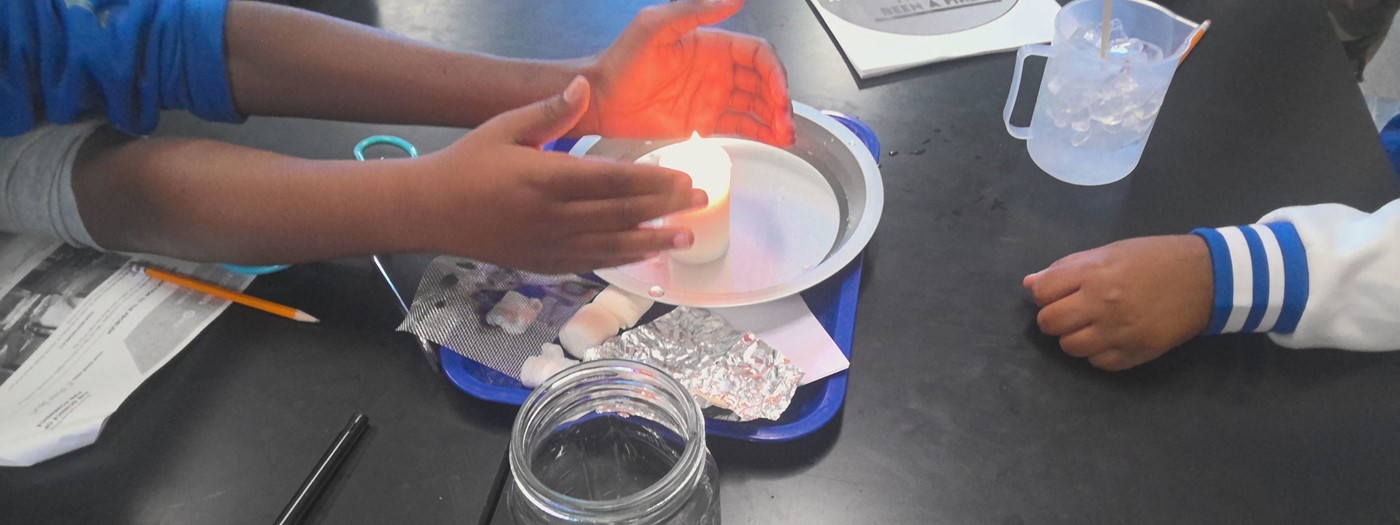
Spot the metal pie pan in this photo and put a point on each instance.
(798, 215)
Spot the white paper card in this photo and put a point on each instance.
(788, 325)
(79, 331)
(884, 36)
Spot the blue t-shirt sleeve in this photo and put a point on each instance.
(64, 60)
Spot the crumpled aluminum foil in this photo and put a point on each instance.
(721, 366)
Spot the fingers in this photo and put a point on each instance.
(1064, 316)
(759, 71)
(666, 23)
(1029, 281)
(628, 212)
(1085, 342)
(749, 116)
(543, 121)
(1090, 342)
(569, 178)
(1054, 283)
(591, 251)
(599, 195)
(1113, 361)
(745, 102)
(745, 125)
(747, 81)
(757, 56)
(1106, 353)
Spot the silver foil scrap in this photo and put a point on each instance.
(721, 366)
(493, 315)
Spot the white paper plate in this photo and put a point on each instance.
(797, 217)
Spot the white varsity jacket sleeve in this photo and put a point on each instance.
(1324, 276)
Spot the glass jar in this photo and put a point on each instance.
(612, 441)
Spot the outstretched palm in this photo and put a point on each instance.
(666, 77)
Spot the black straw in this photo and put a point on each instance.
(494, 497)
(324, 471)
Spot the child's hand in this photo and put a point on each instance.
(666, 77)
(1126, 303)
(495, 196)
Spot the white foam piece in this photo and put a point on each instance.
(551, 350)
(626, 307)
(537, 369)
(589, 327)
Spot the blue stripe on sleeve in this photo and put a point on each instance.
(1260, 264)
(1224, 279)
(1295, 276)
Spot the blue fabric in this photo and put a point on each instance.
(65, 60)
(1224, 279)
(1259, 264)
(1295, 276)
(1390, 140)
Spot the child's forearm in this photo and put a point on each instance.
(288, 62)
(492, 196)
(210, 201)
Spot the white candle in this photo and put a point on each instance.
(710, 170)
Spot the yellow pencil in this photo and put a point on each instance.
(1195, 39)
(237, 297)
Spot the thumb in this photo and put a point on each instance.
(668, 22)
(546, 120)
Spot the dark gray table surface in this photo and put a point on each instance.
(958, 411)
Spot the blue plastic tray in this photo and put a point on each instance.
(833, 302)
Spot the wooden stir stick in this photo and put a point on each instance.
(1104, 32)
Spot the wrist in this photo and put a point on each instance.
(416, 223)
(1193, 258)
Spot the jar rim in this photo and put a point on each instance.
(664, 492)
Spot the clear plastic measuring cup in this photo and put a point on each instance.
(1093, 114)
